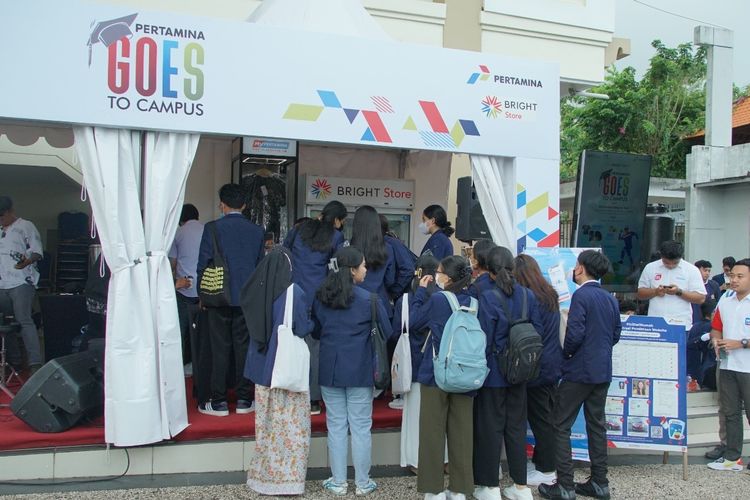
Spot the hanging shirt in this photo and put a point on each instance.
(19, 241)
(439, 244)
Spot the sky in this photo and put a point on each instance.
(643, 25)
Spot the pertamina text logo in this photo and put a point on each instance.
(321, 189)
(486, 75)
(151, 68)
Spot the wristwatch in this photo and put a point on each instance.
(744, 343)
(678, 293)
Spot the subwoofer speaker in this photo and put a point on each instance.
(63, 392)
(470, 223)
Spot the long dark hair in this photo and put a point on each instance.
(441, 218)
(500, 264)
(458, 269)
(367, 236)
(529, 274)
(481, 251)
(426, 264)
(337, 290)
(318, 233)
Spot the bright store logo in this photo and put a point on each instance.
(321, 189)
(151, 68)
(492, 106)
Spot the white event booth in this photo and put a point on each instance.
(139, 88)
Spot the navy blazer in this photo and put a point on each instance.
(439, 244)
(712, 292)
(345, 345)
(432, 312)
(552, 354)
(378, 280)
(241, 244)
(416, 337)
(593, 328)
(404, 261)
(482, 283)
(309, 268)
(497, 327)
(259, 365)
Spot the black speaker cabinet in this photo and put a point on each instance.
(470, 223)
(62, 392)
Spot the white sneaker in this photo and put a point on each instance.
(396, 404)
(435, 496)
(727, 465)
(454, 496)
(535, 478)
(516, 493)
(487, 493)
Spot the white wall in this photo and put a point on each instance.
(211, 169)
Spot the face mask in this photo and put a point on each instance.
(423, 228)
(440, 284)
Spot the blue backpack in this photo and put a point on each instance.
(461, 364)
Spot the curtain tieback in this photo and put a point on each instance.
(141, 259)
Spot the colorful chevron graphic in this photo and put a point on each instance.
(438, 134)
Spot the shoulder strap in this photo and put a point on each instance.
(289, 306)
(504, 305)
(405, 313)
(452, 300)
(373, 310)
(473, 306)
(525, 309)
(218, 258)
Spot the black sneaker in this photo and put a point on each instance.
(315, 408)
(556, 492)
(592, 489)
(716, 453)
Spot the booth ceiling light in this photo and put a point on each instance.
(264, 160)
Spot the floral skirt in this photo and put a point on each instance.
(282, 442)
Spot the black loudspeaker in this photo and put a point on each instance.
(63, 392)
(470, 223)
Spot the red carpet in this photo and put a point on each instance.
(16, 435)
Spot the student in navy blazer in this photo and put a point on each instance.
(500, 408)
(593, 329)
(282, 418)
(403, 260)
(435, 223)
(441, 413)
(312, 245)
(241, 245)
(367, 236)
(342, 313)
(540, 393)
(482, 279)
(426, 266)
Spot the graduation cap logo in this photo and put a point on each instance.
(108, 32)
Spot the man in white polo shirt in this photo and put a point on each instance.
(672, 284)
(730, 331)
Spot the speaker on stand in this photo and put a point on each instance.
(63, 392)
(470, 222)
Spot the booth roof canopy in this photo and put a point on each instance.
(341, 17)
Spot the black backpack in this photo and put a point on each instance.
(520, 361)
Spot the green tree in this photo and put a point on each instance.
(649, 116)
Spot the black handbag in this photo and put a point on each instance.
(213, 289)
(380, 366)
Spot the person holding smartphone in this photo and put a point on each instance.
(672, 285)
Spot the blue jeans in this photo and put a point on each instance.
(349, 409)
(18, 300)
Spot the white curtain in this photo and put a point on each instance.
(495, 183)
(144, 394)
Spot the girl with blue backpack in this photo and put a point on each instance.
(442, 413)
(343, 315)
(500, 407)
